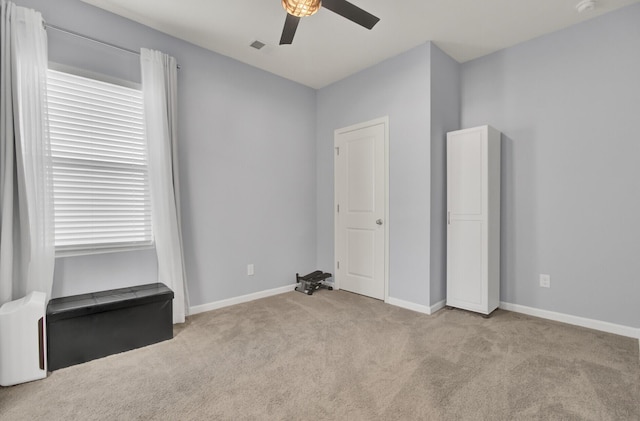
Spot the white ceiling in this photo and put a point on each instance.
(328, 47)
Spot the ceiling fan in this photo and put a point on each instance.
(297, 9)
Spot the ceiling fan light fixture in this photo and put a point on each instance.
(301, 8)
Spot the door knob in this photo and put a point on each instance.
(379, 222)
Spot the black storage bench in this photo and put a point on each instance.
(84, 327)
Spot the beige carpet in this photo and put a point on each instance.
(337, 355)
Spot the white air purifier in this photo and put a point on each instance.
(23, 340)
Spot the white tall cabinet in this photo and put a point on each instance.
(473, 219)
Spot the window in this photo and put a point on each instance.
(100, 178)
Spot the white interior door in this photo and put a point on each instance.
(361, 208)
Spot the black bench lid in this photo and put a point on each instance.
(96, 302)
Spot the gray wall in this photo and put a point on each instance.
(445, 117)
(568, 106)
(247, 163)
(399, 88)
(259, 189)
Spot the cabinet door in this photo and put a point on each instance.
(464, 174)
(464, 264)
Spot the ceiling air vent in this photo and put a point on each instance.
(257, 44)
(586, 6)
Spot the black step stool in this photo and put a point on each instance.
(313, 281)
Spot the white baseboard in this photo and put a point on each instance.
(438, 306)
(517, 308)
(573, 320)
(239, 300)
(415, 307)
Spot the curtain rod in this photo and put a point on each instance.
(78, 35)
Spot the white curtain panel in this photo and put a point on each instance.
(27, 253)
(159, 85)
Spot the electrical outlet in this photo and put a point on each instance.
(250, 269)
(545, 281)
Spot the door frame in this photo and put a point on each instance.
(381, 120)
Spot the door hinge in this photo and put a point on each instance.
(338, 264)
(338, 150)
(338, 209)
(448, 218)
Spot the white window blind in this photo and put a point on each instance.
(100, 178)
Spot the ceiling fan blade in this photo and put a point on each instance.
(289, 30)
(351, 12)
